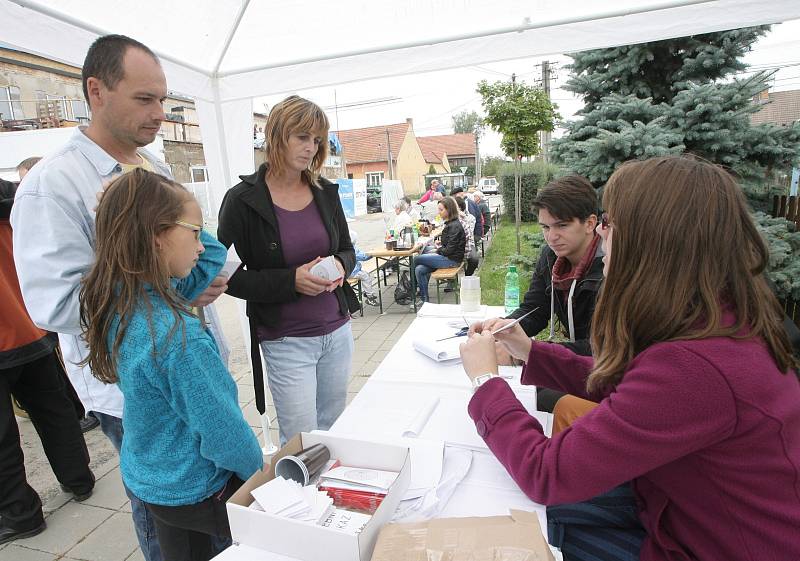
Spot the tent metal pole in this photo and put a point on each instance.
(229, 38)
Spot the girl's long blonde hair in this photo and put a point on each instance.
(684, 246)
(136, 207)
(295, 115)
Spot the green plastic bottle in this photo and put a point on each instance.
(512, 289)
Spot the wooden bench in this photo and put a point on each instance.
(356, 284)
(444, 275)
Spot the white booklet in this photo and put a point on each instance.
(361, 479)
(326, 269)
(232, 263)
(439, 350)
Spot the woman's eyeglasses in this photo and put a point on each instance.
(193, 227)
(605, 223)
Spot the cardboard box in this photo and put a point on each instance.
(493, 538)
(310, 542)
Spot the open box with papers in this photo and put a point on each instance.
(309, 542)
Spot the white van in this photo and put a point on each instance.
(488, 185)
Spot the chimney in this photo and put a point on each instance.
(410, 121)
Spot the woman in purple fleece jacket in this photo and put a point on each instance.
(698, 405)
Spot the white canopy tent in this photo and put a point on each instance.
(225, 52)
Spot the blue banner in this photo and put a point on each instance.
(346, 196)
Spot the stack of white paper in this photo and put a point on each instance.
(439, 350)
(283, 497)
(358, 479)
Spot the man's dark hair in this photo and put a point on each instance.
(28, 163)
(462, 204)
(456, 190)
(104, 60)
(568, 197)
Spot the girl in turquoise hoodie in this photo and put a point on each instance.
(186, 445)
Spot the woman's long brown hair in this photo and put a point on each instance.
(135, 208)
(684, 247)
(295, 115)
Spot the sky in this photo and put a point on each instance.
(431, 99)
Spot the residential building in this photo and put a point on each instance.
(434, 156)
(39, 93)
(385, 152)
(458, 150)
(780, 108)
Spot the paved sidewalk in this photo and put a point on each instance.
(100, 528)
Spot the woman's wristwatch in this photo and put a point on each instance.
(478, 381)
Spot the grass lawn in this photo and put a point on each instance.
(494, 267)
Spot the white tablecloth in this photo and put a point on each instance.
(404, 383)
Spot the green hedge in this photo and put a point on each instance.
(533, 176)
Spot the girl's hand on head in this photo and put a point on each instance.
(102, 191)
(307, 283)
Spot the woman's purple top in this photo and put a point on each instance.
(304, 238)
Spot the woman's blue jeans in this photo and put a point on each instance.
(426, 264)
(308, 379)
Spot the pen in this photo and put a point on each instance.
(515, 322)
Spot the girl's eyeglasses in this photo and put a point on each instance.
(193, 227)
(605, 223)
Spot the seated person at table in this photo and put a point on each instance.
(572, 262)
(468, 223)
(450, 252)
(370, 294)
(483, 208)
(697, 404)
(412, 212)
(402, 218)
(432, 189)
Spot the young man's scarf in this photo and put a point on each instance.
(564, 273)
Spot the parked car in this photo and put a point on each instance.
(373, 198)
(488, 185)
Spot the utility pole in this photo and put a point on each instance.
(545, 135)
(517, 172)
(477, 155)
(389, 154)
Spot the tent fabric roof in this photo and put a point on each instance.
(454, 145)
(369, 144)
(227, 50)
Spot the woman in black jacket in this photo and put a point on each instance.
(282, 221)
(449, 254)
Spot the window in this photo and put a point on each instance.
(10, 104)
(199, 174)
(79, 110)
(60, 103)
(374, 179)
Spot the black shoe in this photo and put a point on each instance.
(10, 534)
(79, 497)
(371, 300)
(88, 423)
